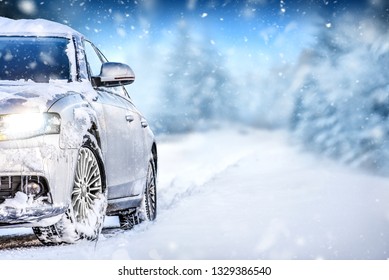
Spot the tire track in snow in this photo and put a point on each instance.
(198, 159)
(180, 188)
(8, 242)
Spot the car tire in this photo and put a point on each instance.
(84, 218)
(147, 211)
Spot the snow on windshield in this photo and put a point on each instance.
(39, 59)
(43, 28)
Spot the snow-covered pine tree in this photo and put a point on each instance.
(340, 108)
(197, 88)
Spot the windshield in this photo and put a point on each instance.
(39, 59)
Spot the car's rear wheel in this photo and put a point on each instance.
(147, 211)
(84, 218)
(149, 202)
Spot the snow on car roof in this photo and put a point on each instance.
(38, 27)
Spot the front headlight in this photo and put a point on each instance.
(27, 125)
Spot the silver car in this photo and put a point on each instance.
(73, 147)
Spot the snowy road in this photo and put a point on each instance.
(247, 195)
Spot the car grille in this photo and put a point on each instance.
(9, 185)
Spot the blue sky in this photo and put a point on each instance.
(226, 21)
(249, 24)
(162, 12)
(270, 29)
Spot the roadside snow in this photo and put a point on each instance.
(249, 194)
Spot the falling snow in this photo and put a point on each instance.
(304, 68)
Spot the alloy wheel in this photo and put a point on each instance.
(87, 185)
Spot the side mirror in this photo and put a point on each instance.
(114, 74)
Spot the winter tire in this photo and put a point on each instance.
(84, 218)
(148, 208)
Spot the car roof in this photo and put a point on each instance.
(35, 27)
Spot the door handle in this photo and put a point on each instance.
(144, 123)
(130, 118)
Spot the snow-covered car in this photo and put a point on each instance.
(73, 147)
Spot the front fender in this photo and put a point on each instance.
(77, 117)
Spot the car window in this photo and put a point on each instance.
(39, 59)
(119, 90)
(93, 58)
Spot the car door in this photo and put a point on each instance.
(117, 125)
(138, 155)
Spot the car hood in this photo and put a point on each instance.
(21, 97)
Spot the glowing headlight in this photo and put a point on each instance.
(21, 126)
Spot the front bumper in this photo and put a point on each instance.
(31, 216)
(39, 157)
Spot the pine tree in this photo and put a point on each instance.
(340, 109)
(197, 87)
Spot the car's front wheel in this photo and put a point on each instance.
(84, 218)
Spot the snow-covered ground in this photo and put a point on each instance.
(246, 194)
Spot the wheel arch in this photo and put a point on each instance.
(77, 119)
